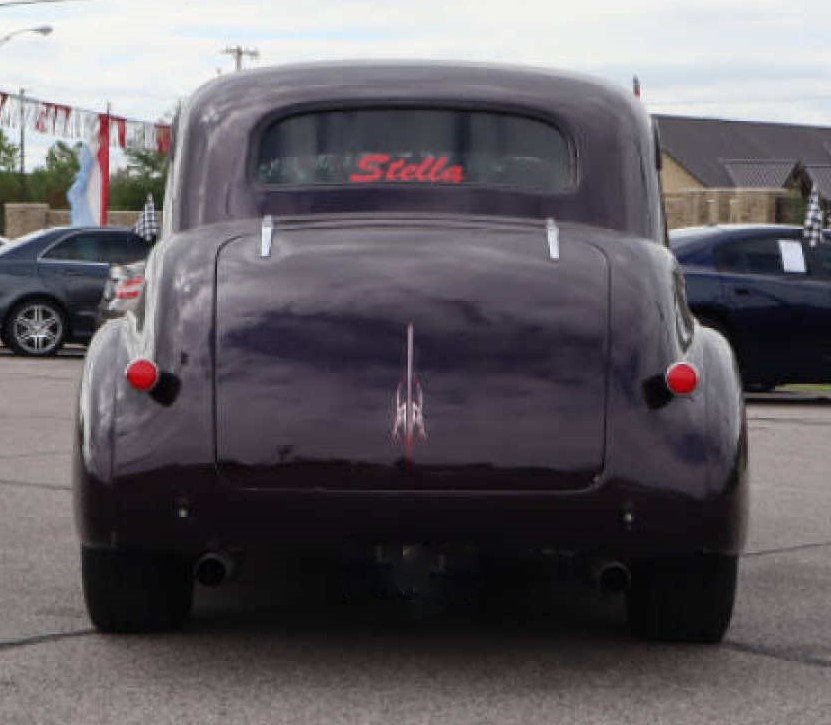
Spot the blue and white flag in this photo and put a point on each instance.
(84, 195)
(813, 220)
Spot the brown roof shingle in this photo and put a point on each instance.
(729, 153)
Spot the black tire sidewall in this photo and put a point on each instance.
(687, 599)
(133, 592)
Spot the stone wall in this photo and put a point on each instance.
(24, 218)
(697, 207)
(685, 208)
(675, 177)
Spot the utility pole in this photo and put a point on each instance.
(237, 51)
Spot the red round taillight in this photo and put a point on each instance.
(142, 374)
(681, 378)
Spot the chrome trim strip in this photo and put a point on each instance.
(266, 236)
(71, 261)
(409, 426)
(553, 234)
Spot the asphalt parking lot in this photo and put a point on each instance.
(554, 655)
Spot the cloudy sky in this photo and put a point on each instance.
(765, 60)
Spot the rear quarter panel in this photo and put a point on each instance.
(691, 448)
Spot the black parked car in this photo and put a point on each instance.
(51, 283)
(765, 290)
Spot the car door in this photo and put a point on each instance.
(76, 269)
(778, 308)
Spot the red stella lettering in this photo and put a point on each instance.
(382, 167)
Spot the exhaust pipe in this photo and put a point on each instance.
(610, 576)
(213, 568)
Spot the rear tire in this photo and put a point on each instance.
(683, 600)
(128, 591)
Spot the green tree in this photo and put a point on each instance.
(9, 154)
(50, 182)
(146, 173)
(10, 187)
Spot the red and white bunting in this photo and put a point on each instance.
(77, 123)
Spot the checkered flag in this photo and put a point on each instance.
(813, 220)
(147, 226)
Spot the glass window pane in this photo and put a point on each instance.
(754, 256)
(79, 248)
(822, 259)
(415, 146)
(126, 249)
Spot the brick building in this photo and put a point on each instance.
(717, 171)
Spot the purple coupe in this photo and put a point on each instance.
(403, 305)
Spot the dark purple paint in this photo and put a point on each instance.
(540, 431)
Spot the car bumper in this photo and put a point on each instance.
(614, 519)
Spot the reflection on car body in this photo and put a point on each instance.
(768, 292)
(452, 353)
(122, 290)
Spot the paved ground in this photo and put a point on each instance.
(562, 658)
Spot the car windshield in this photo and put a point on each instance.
(415, 146)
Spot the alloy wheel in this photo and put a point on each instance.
(37, 328)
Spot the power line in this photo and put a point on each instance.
(12, 3)
(78, 109)
(704, 102)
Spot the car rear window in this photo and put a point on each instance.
(415, 146)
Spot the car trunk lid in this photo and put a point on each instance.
(404, 354)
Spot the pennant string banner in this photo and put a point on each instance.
(79, 123)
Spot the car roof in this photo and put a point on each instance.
(49, 235)
(716, 229)
(217, 130)
(88, 229)
(690, 243)
(703, 235)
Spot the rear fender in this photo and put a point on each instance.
(94, 438)
(687, 448)
(727, 437)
